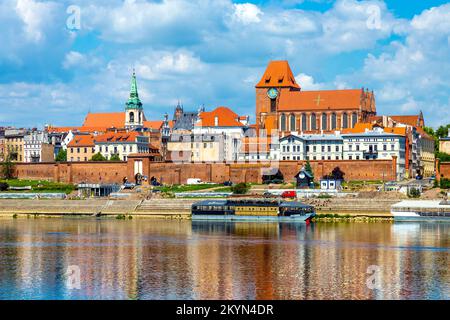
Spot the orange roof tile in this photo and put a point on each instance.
(350, 99)
(117, 137)
(225, 118)
(105, 120)
(413, 120)
(396, 130)
(82, 141)
(278, 74)
(157, 124)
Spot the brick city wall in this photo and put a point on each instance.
(173, 173)
(444, 170)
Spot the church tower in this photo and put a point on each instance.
(134, 112)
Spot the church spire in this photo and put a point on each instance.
(133, 101)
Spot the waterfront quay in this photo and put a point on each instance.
(172, 208)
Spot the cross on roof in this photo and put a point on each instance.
(318, 100)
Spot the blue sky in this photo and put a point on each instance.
(213, 52)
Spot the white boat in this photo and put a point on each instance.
(421, 210)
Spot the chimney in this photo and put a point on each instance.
(216, 121)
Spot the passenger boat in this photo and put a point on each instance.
(252, 209)
(421, 210)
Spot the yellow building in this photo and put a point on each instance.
(81, 148)
(427, 155)
(14, 142)
(196, 148)
(444, 144)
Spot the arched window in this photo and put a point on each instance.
(354, 119)
(283, 122)
(304, 122)
(324, 121)
(313, 122)
(344, 120)
(132, 117)
(292, 122)
(333, 121)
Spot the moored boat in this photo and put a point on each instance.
(252, 209)
(421, 210)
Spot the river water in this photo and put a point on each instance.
(165, 259)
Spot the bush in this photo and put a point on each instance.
(414, 193)
(98, 157)
(445, 183)
(240, 188)
(4, 186)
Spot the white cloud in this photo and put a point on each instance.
(306, 82)
(247, 13)
(34, 16)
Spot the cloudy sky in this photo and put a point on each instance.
(61, 59)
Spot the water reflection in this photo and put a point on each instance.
(147, 259)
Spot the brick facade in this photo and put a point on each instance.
(173, 173)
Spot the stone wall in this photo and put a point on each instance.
(173, 173)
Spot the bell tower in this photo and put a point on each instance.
(134, 112)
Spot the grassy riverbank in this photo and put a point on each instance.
(40, 186)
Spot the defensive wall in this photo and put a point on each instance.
(178, 173)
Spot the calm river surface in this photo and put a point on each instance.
(164, 259)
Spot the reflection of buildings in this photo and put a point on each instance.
(190, 260)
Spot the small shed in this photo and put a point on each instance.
(330, 184)
(304, 179)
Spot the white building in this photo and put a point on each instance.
(121, 144)
(376, 144)
(36, 147)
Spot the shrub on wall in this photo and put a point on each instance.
(445, 183)
(240, 188)
(3, 186)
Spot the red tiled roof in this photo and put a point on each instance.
(350, 99)
(117, 137)
(411, 120)
(225, 116)
(82, 141)
(105, 120)
(157, 124)
(278, 74)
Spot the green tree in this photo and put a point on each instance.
(309, 169)
(98, 157)
(240, 188)
(8, 168)
(114, 157)
(61, 156)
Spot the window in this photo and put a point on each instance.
(323, 148)
(85, 150)
(283, 122)
(131, 117)
(357, 157)
(329, 157)
(324, 121)
(337, 148)
(357, 147)
(78, 150)
(333, 121)
(392, 147)
(344, 120)
(273, 105)
(304, 121)
(354, 119)
(323, 157)
(284, 148)
(313, 121)
(337, 157)
(292, 124)
(350, 157)
(314, 148)
(384, 147)
(329, 148)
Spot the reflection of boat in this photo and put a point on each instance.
(252, 210)
(421, 210)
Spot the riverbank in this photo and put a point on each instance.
(327, 209)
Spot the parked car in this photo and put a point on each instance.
(291, 194)
(194, 181)
(228, 183)
(419, 177)
(129, 185)
(268, 194)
